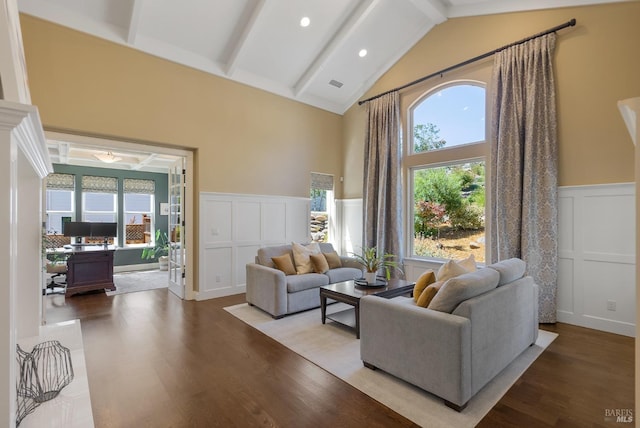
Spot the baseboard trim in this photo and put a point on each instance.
(220, 292)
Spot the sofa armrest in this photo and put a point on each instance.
(427, 348)
(267, 289)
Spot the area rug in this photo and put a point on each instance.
(132, 282)
(336, 349)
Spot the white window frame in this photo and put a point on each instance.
(55, 212)
(151, 215)
(446, 156)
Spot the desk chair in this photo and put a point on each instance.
(57, 269)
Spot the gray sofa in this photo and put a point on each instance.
(453, 355)
(278, 294)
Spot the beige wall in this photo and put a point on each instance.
(247, 140)
(597, 64)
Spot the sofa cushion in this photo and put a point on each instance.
(305, 282)
(458, 289)
(319, 262)
(301, 257)
(450, 269)
(509, 270)
(333, 259)
(422, 282)
(343, 274)
(427, 295)
(285, 264)
(265, 254)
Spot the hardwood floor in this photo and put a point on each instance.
(155, 361)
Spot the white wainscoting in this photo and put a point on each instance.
(349, 228)
(232, 229)
(596, 266)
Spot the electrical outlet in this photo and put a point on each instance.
(218, 278)
(611, 305)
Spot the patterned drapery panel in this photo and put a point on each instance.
(524, 151)
(135, 185)
(321, 181)
(91, 183)
(382, 191)
(57, 181)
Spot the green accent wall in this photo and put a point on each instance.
(123, 256)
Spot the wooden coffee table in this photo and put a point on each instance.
(350, 293)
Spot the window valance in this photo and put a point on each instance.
(321, 181)
(96, 184)
(141, 186)
(57, 181)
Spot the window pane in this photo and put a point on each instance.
(137, 202)
(449, 211)
(450, 117)
(99, 201)
(59, 200)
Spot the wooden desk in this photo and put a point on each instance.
(89, 268)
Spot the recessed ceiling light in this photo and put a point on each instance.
(362, 53)
(305, 21)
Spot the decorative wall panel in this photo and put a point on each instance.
(234, 227)
(596, 272)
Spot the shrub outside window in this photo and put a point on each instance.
(447, 189)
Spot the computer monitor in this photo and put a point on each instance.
(76, 228)
(104, 230)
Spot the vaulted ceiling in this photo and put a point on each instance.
(261, 43)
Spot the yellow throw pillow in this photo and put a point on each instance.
(428, 294)
(450, 269)
(333, 259)
(285, 264)
(320, 264)
(301, 257)
(423, 281)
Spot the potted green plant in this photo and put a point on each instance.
(160, 249)
(373, 263)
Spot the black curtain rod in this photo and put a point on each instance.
(469, 61)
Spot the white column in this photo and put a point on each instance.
(23, 156)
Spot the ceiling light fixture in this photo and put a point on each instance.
(107, 157)
(305, 21)
(362, 53)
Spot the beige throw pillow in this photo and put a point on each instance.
(301, 256)
(333, 259)
(450, 269)
(285, 264)
(320, 264)
(469, 264)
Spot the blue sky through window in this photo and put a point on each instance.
(458, 112)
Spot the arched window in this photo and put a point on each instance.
(446, 172)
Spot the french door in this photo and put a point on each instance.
(177, 249)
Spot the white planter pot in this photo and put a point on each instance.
(370, 277)
(163, 261)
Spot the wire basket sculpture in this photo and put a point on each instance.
(42, 375)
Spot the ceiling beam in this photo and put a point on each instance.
(355, 19)
(134, 21)
(247, 26)
(63, 152)
(432, 9)
(144, 162)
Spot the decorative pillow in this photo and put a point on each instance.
(301, 257)
(423, 281)
(449, 270)
(428, 294)
(320, 264)
(333, 259)
(469, 264)
(456, 290)
(284, 263)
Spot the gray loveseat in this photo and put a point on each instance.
(453, 355)
(278, 294)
